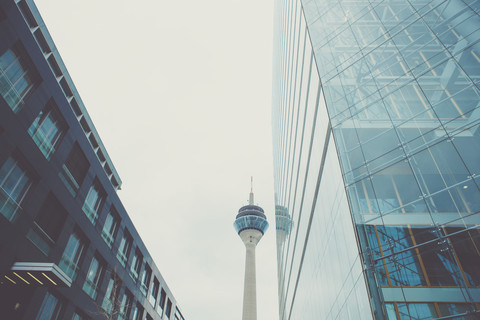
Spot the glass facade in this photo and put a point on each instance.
(376, 155)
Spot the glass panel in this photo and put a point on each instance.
(93, 278)
(14, 184)
(15, 82)
(71, 256)
(92, 204)
(124, 249)
(50, 308)
(109, 229)
(46, 131)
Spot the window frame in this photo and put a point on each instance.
(51, 118)
(93, 278)
(73, 259)
(24, 75)
(126, 244)
(110, 227)
(74, 168)
(136, 265)
(95, 197)
(153, 297)
(48, 311)
(145, 280)
(126, 305)
(10, 167)
(110, 299)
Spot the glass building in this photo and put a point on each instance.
(377, 158)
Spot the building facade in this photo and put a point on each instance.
(68, 248)
(376, 159)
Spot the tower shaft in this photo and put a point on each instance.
(250, 287)
(250, 238)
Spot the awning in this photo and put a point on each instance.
(36, 274)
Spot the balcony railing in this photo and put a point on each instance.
(40, 239)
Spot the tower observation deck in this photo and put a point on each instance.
(250, 224)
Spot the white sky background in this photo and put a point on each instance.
(180, 93)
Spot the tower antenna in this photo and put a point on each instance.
(250, 200)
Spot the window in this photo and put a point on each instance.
(78, 316)
(72, 255)
(48, 224)
(93, 278)
(137, 312)
(124, 248)
(47, 130)
(110, 227)
(161, 304)
(14, 184)
(110, 300)
(136, 265)
(147, 273)
(154, 293)
(93, 202)
(169, 309)
(50, 308)
(178, 314)
(74, 169)
(16, 79)
(126, 305)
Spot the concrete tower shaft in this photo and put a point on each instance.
(250, 238)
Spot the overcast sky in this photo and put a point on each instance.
(180, 93)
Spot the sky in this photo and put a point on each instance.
(180, 94)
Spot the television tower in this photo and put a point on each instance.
(250, 223)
